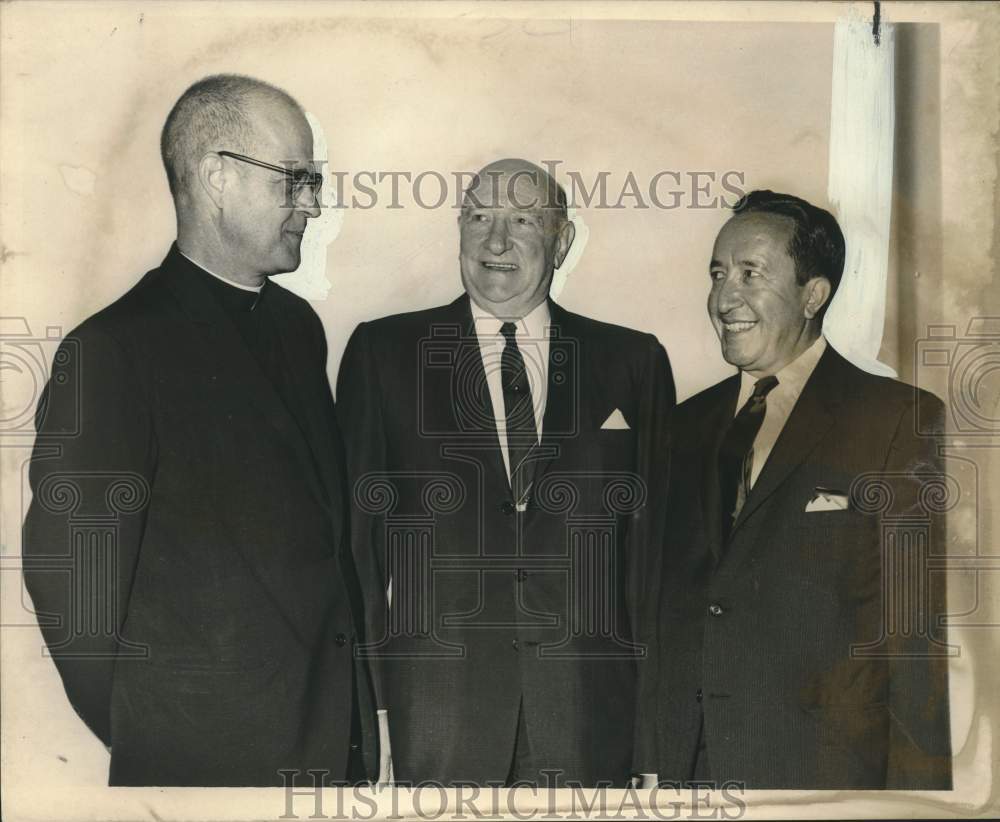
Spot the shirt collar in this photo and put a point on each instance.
(532, 326)
(792, 378)
(226, 280)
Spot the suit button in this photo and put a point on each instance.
(340, 639)
(715, 609)
(698, 695)
(520, 575)
(507, 507)
(515, 644)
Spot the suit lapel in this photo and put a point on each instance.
(229, 360)
(809, 422)
(714, 427)
(562, 401)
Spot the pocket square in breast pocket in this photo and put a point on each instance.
(823, 499)
(615, 422)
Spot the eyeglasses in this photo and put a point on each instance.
(297, 179)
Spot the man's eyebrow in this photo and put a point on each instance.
(756, 261)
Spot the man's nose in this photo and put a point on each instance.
(307, 201)
(308, 204)
(499, 240)
(729, 294)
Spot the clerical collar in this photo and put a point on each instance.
(236, 299)
(256, 289)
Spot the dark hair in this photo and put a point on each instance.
(816, 244)
(212, 115)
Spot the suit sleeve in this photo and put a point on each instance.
(646, 540)
(920, 738)
(359, 406)
(92, 459)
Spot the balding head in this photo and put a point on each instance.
(517, 182)
(219, 113)
(232, 146)
(514, 234)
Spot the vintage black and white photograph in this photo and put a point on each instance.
(535, 410)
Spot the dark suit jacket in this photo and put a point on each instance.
(184, 545)
(803, 682)
(490, 604)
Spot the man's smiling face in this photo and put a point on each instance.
(760, 311)
(512, 238)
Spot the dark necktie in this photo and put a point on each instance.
(522, 434)
(736, 450)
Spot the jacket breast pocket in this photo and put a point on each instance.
(837, 524)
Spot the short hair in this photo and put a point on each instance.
(817, 243)
(539, 176)
(212, 115)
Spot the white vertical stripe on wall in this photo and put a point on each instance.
(862, 119)
(310, 280)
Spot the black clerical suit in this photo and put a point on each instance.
(186, 544)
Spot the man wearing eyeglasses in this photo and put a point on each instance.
(206, 635)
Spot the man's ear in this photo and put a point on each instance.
(818, 294)
(212, 177)
(563, 241)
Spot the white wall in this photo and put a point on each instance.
(433, 95)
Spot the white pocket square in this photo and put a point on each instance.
(826, 500)
(616, 422)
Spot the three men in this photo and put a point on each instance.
(507, 462)
(505, 457)
(186, 546)
(786, 657)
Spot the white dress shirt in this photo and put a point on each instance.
(533, 342)
(780, 401)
